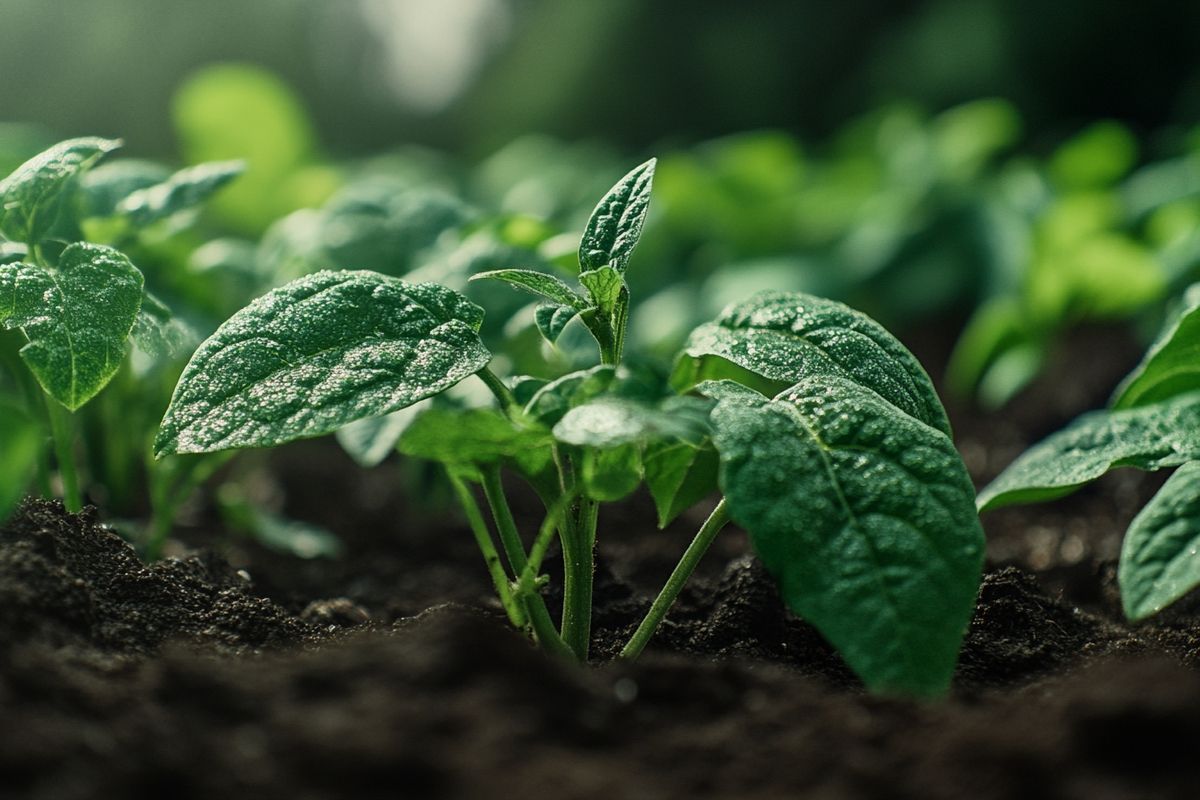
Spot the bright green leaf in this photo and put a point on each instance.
(1165, 434)
(1160, 560)
(30, 196)
(604, 285)
(77, 318)
(679, 475)
(611, 474)
(539, 283)
(616, 224)
(789, 336)
(318, 353)
(475, 436)
(864, 515)
(1172, 364)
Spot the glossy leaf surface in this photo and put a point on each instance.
(1160, 559)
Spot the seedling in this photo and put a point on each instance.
(822, 432)
(1152, 422)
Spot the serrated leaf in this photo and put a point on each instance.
(790, 336)
(611, 474)
(183, 190)
(1160, 560)
(1172, 364)
(538, 283)
(318, 353)
(77, 318)
(551, 319)
(474, 436)
(30, 196)
(556, 398)
(20, 442)
(614, 421)
(369, 441)
(616, 224)
(679, 475)
(604, 285)
(1165, 434)
(864, 515)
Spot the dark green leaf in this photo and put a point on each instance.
(616, 225)
(1172, 364)
(538, 283)
(1160, 560)
(558, 397)
(185, 189)
(475, 436)
(551, 319)
(864, 515)
(77, 318)
(789, 336)
(318, 353)
(1165, 434)
(679, 475)
(30, 196)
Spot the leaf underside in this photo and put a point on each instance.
(864, 515)
(318, 353)
(1160, 559)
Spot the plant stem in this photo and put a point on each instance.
(578, 565)
(483, 538)
(502, 392)
(683, 570)
(510, 539)
(60, 427)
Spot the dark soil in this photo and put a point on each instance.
(230, 671)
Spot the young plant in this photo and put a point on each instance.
(823, 433)
(1152, 422)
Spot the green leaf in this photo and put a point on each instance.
(616, 224)
(679, 475)
(20, 443)
(369, 441)
(551, 319)
(475, 436)
(555, 399)
(538, 283)
(1172, 364)
(102, 189)
(611, 474)
(158, 333)
(77, 318)
(1165, 434)
(790, 336)
(604, 285)
(614, 421)
(864, 516)
(183, 190)
(30, 197)
(1160, 560)
(318, 353)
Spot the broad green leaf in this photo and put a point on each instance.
(1165, 434)
(556, 398)
(20, 443)
(539, 283)
(77, 318)
(605, 286)
(616, 224)
(474, 436)
(864, 516)
(611, 474)
(1160, 560)
(183, 190)
(790, 336)
(679, 475)
(1172, 364)
(613, 421)
(551, 319)
(318, 353)
(369, 441)
(30, 197)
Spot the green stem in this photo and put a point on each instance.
(683, 570)
(502, 392)
(510, 539)
(578, 566)
(484, 539)
(60, 427)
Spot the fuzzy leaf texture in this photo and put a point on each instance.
(1172, 364)
(552, 319)
(616, 224)
(1160, 559)
(318, 353)
(538, 283)
(790, 336)
(1165, 434)
(865, 517)
(77, 318)
(184, 190)
(30, 196)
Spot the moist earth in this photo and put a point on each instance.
(228, 670)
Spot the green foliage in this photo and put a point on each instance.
(616, 225)
(1158, 560)
(32, 196)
